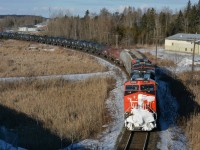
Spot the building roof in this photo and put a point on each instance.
(28, 26)
(184, 37)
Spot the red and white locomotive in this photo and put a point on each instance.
(139, 92)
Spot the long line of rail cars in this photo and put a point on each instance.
(139, 92)
(91, 47)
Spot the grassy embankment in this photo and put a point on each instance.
(20, 58)
(70, 110)
(192, 128)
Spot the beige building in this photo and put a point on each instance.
(28, 28)
(182, 42)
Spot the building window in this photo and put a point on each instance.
(185, 49)
(172, 44)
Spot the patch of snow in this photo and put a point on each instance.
(140, 118)
(172, 138)
(167, 118)
(50, 49)
(84, 145)
(7, 146)
(182, 60)
(32, 47)
(66, 77)
(8, 137)
(43, 47)
(186, 62)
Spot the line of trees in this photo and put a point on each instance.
(14, 21)
(132, 26)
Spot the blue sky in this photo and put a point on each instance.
(75, 7)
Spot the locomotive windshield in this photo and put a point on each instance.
(132, 88)
(147, 75)
(147, 87)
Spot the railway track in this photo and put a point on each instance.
(134, 141)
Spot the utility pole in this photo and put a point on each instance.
(157, 39)
(156, 50)
(193, 55)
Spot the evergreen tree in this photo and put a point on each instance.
(193, 22)
(188, 9)
(87, 13)
(179, 22)
(198, 17)
(132, 26)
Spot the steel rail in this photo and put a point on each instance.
(129, 141)
(146, 141)
(134, 141)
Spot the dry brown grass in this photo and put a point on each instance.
(20, 58)
(71, 110)
(193, 132)
(192, 127)
(192, 81)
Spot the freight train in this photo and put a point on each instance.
(139, 92)
(90, 47)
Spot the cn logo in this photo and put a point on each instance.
(140, 99)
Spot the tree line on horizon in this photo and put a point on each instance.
(15, 21)
(132, 26)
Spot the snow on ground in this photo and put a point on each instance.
(66, 77)
(182, 60)
(6, 146)
(114, 103)
(43, 47)
(172, 137)
(8, 137)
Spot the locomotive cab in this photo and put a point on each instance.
(140, 104)
(146, 88)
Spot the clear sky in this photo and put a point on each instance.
(78, 7)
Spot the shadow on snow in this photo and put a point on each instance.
(21, 130)
(173, 99)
